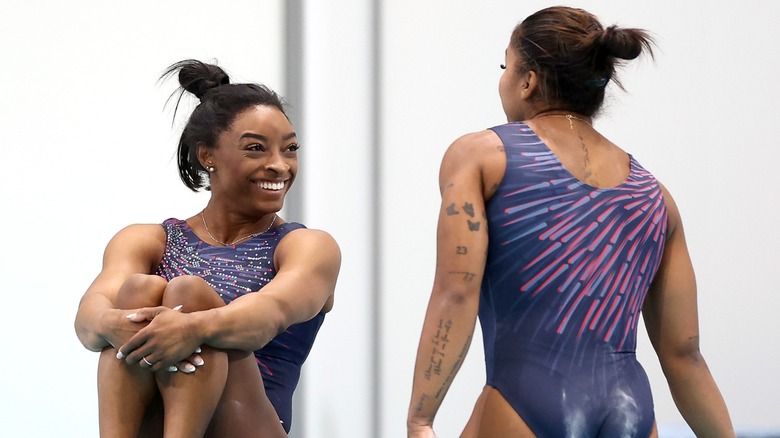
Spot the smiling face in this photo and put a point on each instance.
(255, 162)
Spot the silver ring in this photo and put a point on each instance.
(147, 362)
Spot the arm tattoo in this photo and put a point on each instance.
(467, 276)
(440, 341)
(421, 403)
(462, 250)
(473, 226)
(451, 210)
(469, 209)
(455, 367)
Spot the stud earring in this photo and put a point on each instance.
(211, 169)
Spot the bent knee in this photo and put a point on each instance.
(192, 293)
(141, 290)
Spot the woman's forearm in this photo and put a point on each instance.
(697, 396)
(248, 323)
(89, 319)
(444, 342)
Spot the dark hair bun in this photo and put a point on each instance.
(622, 43)
(198, 77)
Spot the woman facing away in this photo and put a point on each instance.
(557, 239)
(235, 283)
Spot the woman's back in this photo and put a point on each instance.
(567, 271)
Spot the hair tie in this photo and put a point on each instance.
(597, 82)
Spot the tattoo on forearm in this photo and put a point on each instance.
(420, 403)
(462, 250)
(473, 226)
(440, 341)
(451, 210)
(467, 276)
(455, 367)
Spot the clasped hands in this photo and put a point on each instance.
(168, 341)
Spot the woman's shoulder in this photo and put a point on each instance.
(299, 238)
(479, 139)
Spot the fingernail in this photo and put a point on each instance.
(178, 307)
(198, 361)
(131, 316)
(119, 355)
(198, 350)
(188, 368)
(172, 369)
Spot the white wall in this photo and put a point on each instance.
(702, 118)
(89, 149)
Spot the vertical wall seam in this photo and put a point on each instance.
(294, 95)
(376, 227)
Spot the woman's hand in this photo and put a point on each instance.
(167, 342)
(417, 431)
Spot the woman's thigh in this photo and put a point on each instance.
(494, 417)
(244, 410)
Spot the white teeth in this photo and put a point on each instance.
(271, 185)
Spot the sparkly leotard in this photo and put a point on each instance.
(568, 269)
(237, 270)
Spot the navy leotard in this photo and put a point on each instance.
(237, 270)
(568, 269)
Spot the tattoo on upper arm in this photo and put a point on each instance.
(451, 210)
(469, 209)
(462, 250)
(473, 226)
(440, 342)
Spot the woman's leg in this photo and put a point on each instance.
(494, 417)
(190, 399)
(124, 391)
(244, 410)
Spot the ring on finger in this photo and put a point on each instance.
(147, 362)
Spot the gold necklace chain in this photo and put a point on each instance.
(568, 117)
(240, 239)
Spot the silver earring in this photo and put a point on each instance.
(211, 169)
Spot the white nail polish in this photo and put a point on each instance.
(119, 355)
(178, 307)
(131, 316)
(198, 350)
(198, 361)
(172, 369)
(188, 368)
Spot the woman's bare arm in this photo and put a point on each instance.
(671, 317)
(462, 241)
(308, 264)
(135, 249)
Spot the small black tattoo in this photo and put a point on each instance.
(469, 209)
(467, 276)
(451, 210)
(462, 250)
(473, 226)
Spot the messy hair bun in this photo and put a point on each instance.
(197, 77)
(574, 56)
(624, 43)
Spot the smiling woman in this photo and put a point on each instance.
(179, 301)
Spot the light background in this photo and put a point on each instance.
(382, 89)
